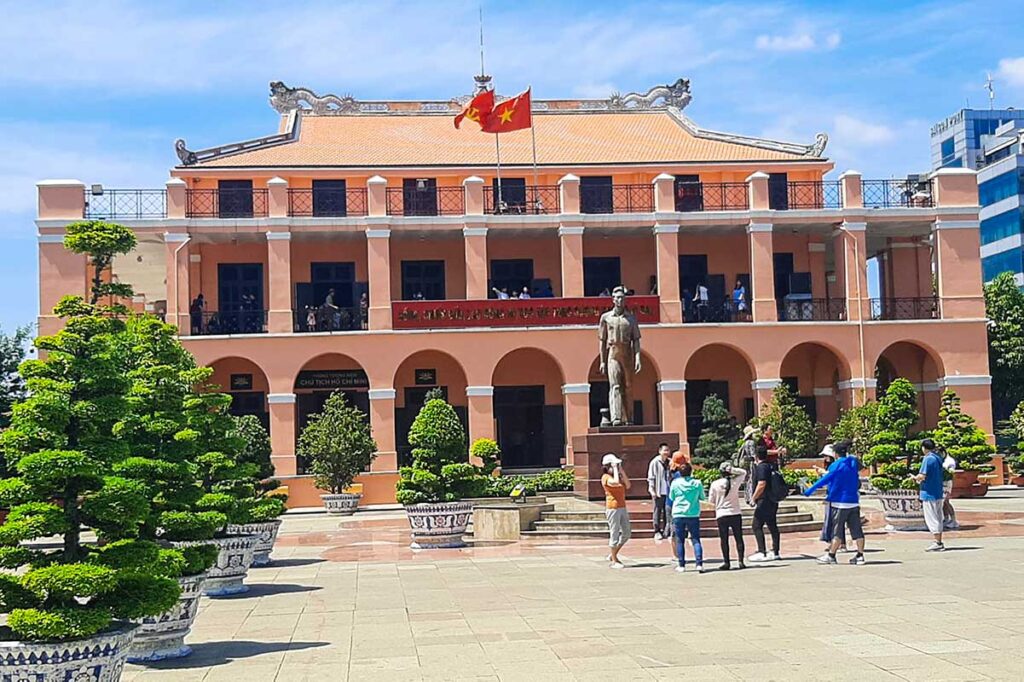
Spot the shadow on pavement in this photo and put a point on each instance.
(207, 654)
(270, 589)
(291, 563)
(962, 548)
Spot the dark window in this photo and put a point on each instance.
(1007, 261)
(519, 411)
(783, 269)
(778, 191)
(239, 299)
(596, 194)
(513, 195)
(1000, 187)
(948, 150)
(419, 196)
(511, 274)
(601, 274)
(1001, 226)
(689, 196)
(338, 276)
(423, 279)
(234, 198)
(693, 270)
(329, 198)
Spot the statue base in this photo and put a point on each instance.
(635, 445)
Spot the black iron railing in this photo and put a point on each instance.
(711, 196)
(327, 203)
(616, 198)
(426, 202)
(897, 193)
(922, 308)
(229, 322)
(716, 311)
(814, 194)
(126, 204)
(327, 319)
(812, 309)
(226, 203)
(538, 199)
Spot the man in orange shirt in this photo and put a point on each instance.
(615, 484)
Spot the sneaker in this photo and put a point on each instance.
(658, 537)
(680, 569)
(936, 547)
(758, 558)
(700, 568)
(858, 560)
(774, 556)
(951, 525)
(617, 564)
(726, 567)
(827, 559)
(741, 566)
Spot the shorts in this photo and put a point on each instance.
(840, 519)
(932, 515)
(619, 530)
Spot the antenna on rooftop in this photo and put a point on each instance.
(483, 81)
(991, 91)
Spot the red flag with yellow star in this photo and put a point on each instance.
(478, 109)
(512, 114)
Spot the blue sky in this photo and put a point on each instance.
(98, 91)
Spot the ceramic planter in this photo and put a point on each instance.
(341, 504)
(163, 636)
(903, 510)
(227, 575)
(966, 484)
(99, 658)
(266, 531)
(437, 525)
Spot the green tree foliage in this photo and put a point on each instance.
(718, 436)
(256, 449)
(489, 454)
(958, 436)
(440, 471)
(101, 242)
(1004, 306)
(1015, 426)
(12, 387)
(895, 452)
(858, 424)
(792, 426)
(338, 443)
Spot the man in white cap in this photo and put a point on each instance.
(615, 484)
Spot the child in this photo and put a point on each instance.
(725, 495)
(685, 494)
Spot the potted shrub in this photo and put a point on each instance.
(794, 429)
(338, 444)
(895, 456)
(1016, 429)
(488, 454)
(958, 436)
(439, 478)
(718, 436)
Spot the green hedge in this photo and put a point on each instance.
(550, 481)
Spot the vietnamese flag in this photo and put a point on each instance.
(512, 114)
(478, 109)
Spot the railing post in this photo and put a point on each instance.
(757, 188)
(852, 189)
(666, 244)
(762, 272)
(277, 198)
(279, 276)
(474, 190)
(61, 199)
(569, 194)
(378, 254)
(664, 193)
(177, 198)
(377, 196)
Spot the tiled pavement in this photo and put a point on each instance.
(346, 600)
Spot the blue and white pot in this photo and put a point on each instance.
(227, 576)
(162, 637)
(265, 531)
(438, 525)
(99, 658)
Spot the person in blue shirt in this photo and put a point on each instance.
(930, 479)
(843, 481)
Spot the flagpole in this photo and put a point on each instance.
(533, 140)
(499, 208)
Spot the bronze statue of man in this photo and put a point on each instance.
(620, 357)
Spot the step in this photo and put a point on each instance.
(647, 533)
(640, 515)
(601, 526)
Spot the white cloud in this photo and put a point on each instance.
(1011, 70)
(800, 40)
(855, 131)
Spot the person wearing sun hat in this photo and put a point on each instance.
(615, 484)
(746, 460)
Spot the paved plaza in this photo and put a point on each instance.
(346, 600)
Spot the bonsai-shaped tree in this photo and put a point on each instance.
(895, 452)
(959, 437)
(256, 449)
(338, 443)
(489, 454)
(858, 424)
(101, 241)
(793, 427)
(440, 471)
(1015, 428)
(718, 436)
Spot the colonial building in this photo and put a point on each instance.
(363, 246)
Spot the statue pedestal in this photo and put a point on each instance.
(635, 445)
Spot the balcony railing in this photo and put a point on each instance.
(126, 204)
(534, 312)
(327, 203)
(616, 198)
(226, 203)
(811, 194)
(229, 322)
(897, 194)
(537, 200)
(924, 308)
(326, 319)
(716, 312)
(812, 310)
(712, 196)
(428, 202)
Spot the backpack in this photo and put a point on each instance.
(778, 490)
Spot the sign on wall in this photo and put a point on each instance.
(426, 377)
(241, 382)
(332, 379)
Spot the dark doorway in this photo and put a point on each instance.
(234, 198)
(329, 198)
(423, 279)
(783, 263)
(307, 404)
(513, 195)
(530, 433)
(250, 402)
(415, 397)
(601, 274)
(419, 196)
(689, 195)
(239, 299)
(511, 275)
(338, 276)
(696, 392)
(778, 191)
(596, 194)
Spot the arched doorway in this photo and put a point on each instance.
(247, 385)
(322, 376)
(419, 373)
(919, 365)
(814, 371)
(645, 393)
(528, 410)
(718, 369)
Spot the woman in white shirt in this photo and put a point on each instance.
(725, 495)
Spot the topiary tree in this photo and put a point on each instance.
(793, 428)
(256, 449)
(440, 471)
(894, 451)
(1015, 427)
(858, 424)
(101, 241)
(489, 454)
(338, 443)
(718, 436)
(958, 436)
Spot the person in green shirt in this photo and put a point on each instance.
(685, 495)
